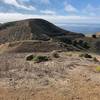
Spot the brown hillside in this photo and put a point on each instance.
(34, 46)
(33, 29)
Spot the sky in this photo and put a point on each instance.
(56, 11)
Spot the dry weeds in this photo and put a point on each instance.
(65, 78)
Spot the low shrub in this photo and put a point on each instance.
(86, 45)
(81, 43)
(30, 57)
(75, 43)
(85, 55)
(38, 59)
(94, 36)
(81, 55)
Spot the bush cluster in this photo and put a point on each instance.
(37, 59)
(81, 43)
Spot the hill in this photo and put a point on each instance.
(33, 29)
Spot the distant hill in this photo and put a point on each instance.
(33, 29)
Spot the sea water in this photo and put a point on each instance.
(81, 27)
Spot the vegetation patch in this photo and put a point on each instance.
(94, 36)
(30, 57)
(98, 68)
(37, 59)
(85, 55)
(81, 43)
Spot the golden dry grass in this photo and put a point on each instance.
(68, 77)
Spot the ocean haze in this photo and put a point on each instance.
(81, 27)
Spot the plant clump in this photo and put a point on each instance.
(37, 59)
(86, 55)
(30, 57)
(81, 43)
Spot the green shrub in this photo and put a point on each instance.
(38, 59)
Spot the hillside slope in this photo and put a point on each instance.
(33, 29)
(30, 46)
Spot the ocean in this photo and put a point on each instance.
(81, 27)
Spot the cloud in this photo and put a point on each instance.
(58, 19)
(48, 12)
(70, 9)
(16, 4)
(91, 10)
(45, 1)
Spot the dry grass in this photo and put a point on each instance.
(65, 78)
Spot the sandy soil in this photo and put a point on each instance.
(69, 77)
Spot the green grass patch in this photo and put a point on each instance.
(98, 68)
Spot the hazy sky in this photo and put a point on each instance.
(56, 11)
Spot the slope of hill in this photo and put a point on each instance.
(30, 46)
(33, 29)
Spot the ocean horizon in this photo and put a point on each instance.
(81, 27)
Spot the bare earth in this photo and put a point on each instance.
(69, 77)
